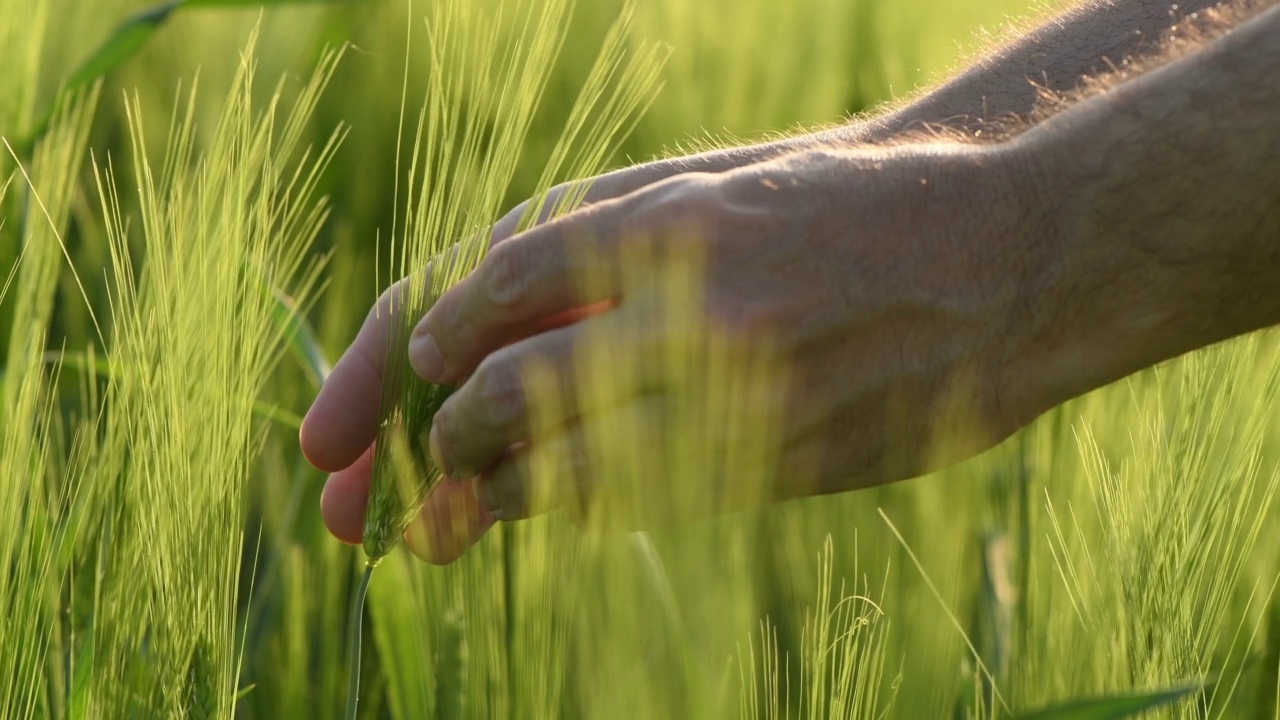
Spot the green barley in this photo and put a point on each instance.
(201, 690)
(456, 182)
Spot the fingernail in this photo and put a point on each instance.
(425, 357)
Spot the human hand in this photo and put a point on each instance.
(338, 432)
(893, 283)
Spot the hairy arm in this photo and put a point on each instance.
(927, 299)
(1054, 56)
(1136, 223)
(1167, 195)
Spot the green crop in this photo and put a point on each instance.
(463, 161)
(195, 218)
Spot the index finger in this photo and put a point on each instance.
(568, 263)
(343, 420)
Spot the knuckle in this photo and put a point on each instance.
(688, 193)
(448, 328)
(505, 273)
(686, 203)
(500, 392)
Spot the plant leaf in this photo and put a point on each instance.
(297, 332)
(124, 43)
(102, 368)
(1113, 707)
(277, 414)
(130, 37)
(80, 361)
(82, 680)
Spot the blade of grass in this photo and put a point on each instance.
(124, 42)
(277, 415)
(82, 680)
(127, 39)
(86, 105)
(121, 45)
(1114, 707)
(955, 622)
(101, 366)
(300, 339)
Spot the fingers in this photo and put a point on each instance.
(591, 191)
(555, 268)
(491, 411)
(450, 522)
(558, 471)
(595, 191)
(519, 284)
(517, 293)
(345, 497)
(343, 419)
(569, 262)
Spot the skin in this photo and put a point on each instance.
(946, 286)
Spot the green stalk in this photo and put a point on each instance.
(357, 620)
(397, 493)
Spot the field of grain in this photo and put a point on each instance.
(194, 223)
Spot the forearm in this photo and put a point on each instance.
(1167, 197)
(1056, 55)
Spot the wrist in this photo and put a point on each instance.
(941, 239)
(1165, 199)
(1106, 301)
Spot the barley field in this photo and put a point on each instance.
(199, 203)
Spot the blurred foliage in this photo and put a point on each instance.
(162, 548)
